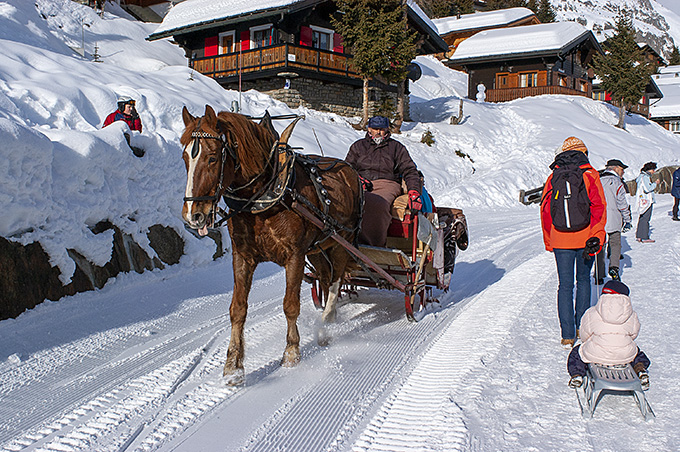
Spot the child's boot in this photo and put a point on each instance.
(642, 375)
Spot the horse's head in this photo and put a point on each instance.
(210, 161)
(221, 151)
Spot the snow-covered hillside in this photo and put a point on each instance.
(656, 25)
(63, 174)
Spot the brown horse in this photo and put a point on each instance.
(229, 156)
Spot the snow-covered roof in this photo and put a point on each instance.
(198, 12)
(192, 14)
(481, 20)
(551, 38)
(668, 81)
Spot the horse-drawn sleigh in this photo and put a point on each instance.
(302, 211)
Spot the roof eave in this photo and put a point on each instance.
(487, 27)
(438, 43)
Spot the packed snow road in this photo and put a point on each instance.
(137, 366)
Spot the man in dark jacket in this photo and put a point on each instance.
(382, 163)
(675, 192)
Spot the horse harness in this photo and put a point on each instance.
(282, 159)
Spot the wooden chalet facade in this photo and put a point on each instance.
(289, 51)
(457, 29)
(528, 61)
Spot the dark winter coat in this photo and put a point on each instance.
(388, 160)
(675, 188)
(132, 121)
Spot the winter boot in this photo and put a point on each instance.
(614, 273)
(676, 218)
(567, 343)
(644, 380)
(576, 381)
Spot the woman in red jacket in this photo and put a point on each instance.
(126, 112)
(576, 241)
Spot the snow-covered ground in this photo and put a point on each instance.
(137, 364)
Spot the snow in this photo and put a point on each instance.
(519, 40)
(137, 364)
(479, 19)
(195, 12)
(668, 81)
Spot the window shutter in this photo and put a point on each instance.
(245, 40)
(542, 78)
(337, 43)
(210, 46)
(305, 36)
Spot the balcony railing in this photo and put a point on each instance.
(506, 94)
(286, 57)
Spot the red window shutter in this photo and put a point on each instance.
(607, 97)
(245, 40)
(210, 46)
(305, 36)
(337, 43)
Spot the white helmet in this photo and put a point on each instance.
(123, 100)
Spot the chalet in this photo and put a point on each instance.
(651, 90)
(456, 29)
(285, 48)
(526, 61)
(666, 111)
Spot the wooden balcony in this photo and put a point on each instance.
(284, 57)
(507, 94)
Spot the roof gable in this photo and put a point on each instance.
(532, 40)
(481, 20)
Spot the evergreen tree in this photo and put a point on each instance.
(623, 69)
(546, 13)
(532, 5)
(446, 8)
(675, 57)
(381, 42)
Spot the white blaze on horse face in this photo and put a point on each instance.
(191, 170)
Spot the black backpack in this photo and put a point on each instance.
(569, 201)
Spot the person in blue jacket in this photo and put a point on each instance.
(675, 191)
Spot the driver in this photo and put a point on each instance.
(382, 163)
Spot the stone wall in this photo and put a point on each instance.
(27, 278)
(345, 100)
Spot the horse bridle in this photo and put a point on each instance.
(227, 149)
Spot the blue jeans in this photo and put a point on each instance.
(570, 318)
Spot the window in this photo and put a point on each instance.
(528, 79)
(261, 36)
(562, 80)
(583, 86)
(674, 126)
(227, 42)
(322, 38)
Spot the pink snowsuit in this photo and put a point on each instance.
(608, 331)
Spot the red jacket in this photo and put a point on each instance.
(133, 121)
(598, 208)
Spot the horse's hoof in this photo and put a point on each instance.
(323, 337)
(236, 377)
(291, 357)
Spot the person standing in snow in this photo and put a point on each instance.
(126, 112)
(645, 201)
(618, 218)
(608, 332)
(675, 192)
(382, 163)
(575, 243)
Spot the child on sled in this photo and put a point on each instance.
(608, 331)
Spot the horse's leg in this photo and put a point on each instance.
(243, 278)
(291, 308)
(340, 258)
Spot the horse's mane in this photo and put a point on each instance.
(251, 142)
